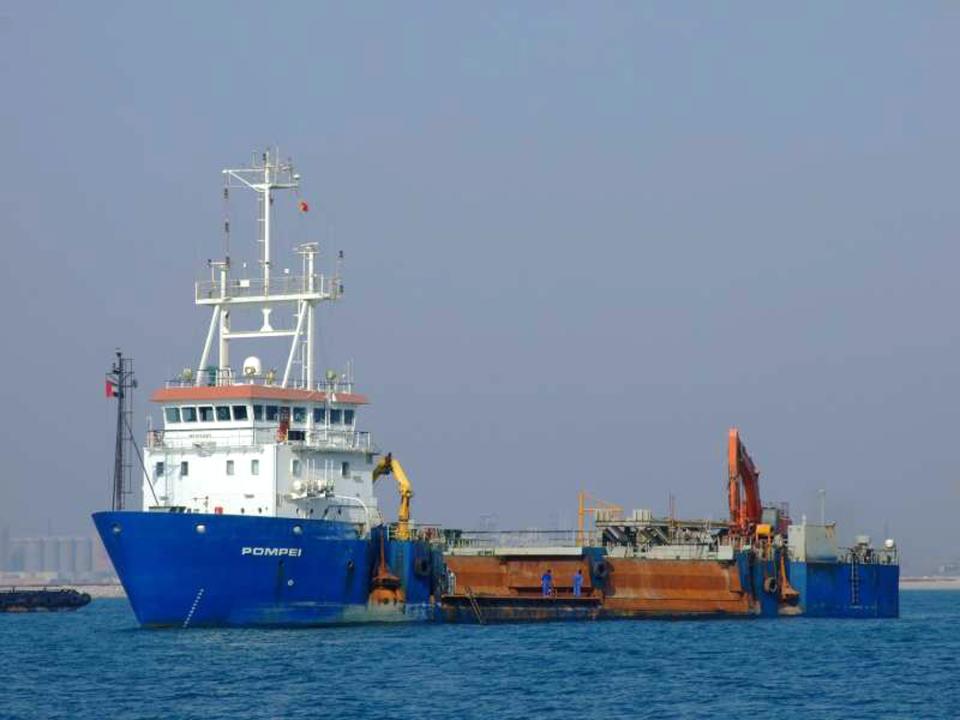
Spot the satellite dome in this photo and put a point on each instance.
(251, 366)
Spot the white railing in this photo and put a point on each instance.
(326, 439)
(336, 439)
(870, 556)
(317, 285)
(490, 539)
(213, 377)
(424, 532)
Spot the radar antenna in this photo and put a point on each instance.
(224, 294)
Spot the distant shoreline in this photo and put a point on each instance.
(930, 583)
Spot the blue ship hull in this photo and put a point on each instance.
(825, 589)
(249, 571)
(853, 590)
(189, 570)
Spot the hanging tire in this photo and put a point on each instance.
(421, 566)
(770, 584)
(601, 569)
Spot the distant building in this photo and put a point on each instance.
(4, 548)
(84, 556)
(55, 558)
(950, 569)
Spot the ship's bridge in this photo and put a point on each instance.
(264, 449)
(254, 441)
(257, 414)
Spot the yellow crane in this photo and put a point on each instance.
(389, 466)
(586, 503)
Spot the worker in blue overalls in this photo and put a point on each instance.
(578, 583)
(546, 582)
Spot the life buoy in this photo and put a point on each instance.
(421, 566)
(770, 584)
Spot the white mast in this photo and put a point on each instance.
(267, 174)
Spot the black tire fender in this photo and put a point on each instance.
(422, 566)
(601, 569)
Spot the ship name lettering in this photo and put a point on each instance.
(271, 551)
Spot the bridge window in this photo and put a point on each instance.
(158, 470)
(258, 412)
(223, 413)
(172, 414)
(272, 412)
(206, 413)
(299, 414)
(184, 468)
(348, 417)
(320, 415)
(295, 467)
(336, 416)
(189, 414)
(344, 469)
(239, 412)
(229, 467)
(254, 467)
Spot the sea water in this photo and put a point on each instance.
(96, 663)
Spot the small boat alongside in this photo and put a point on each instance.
(42, 599)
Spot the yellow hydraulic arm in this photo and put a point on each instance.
(389, 466)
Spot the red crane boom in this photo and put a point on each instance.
(743, 486)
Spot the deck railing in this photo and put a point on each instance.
(327, 439)
(425, 532)
(870, 556)
(213, 377)
(282, 285)
(491, 539)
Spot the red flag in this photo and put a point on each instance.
(110, 388)
(304, 207)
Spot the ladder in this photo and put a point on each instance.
(855, 581)
(474, 604)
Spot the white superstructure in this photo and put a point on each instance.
(253, 441)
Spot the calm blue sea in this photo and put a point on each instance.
(95, 663)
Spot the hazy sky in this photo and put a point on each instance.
(582, 240)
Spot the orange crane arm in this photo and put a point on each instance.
(744, 485)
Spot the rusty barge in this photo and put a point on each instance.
(756, 564)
